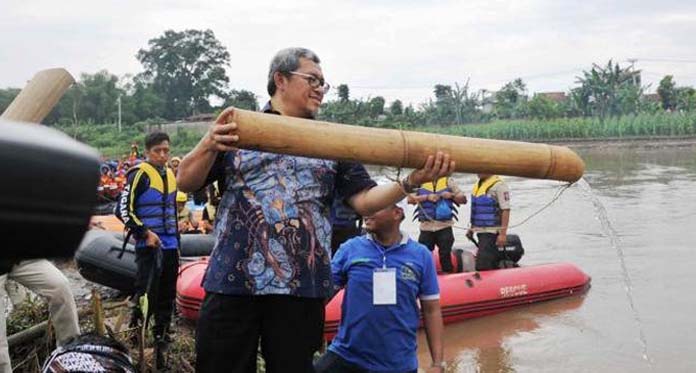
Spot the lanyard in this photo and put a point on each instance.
(384, 250)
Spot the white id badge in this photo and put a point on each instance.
(384, 286)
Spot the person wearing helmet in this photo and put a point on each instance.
(185, 220)
(174, 164)
(134, 153)
(210, 209)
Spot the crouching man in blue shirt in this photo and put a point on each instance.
(384, 274)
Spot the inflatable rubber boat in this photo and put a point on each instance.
(98, 257)
(462, 295)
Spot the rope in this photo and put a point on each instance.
(559, 192)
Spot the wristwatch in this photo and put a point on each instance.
(407, 186)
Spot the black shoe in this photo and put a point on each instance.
(161, 348)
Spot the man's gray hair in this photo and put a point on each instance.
(288, 60)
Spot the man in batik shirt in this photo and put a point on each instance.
(269, 273)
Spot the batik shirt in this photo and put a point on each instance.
(272, 227)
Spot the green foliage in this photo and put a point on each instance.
(376, 107)
(641, 125)
(452, 105)
(114, 145)
(686, 99)
(6, 97)
(242, 99)
(610, 90)
(98, 96)
(186, 69)
(668, 93)
(343, 93)
(511, 100)
(541, 107)
(396, 108)
(30, 312)
(143, 103)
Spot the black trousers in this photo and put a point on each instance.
(229, 328)
(333, 363)
(488, 256)
(163, 289)
(444, 239)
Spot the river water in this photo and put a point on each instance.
(633, 231)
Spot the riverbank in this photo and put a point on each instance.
(657, 142)
(28, 356)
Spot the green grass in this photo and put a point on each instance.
(641, 125)
(114, 144)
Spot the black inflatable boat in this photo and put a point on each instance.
(98, 257)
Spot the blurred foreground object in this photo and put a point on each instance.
(47, 192)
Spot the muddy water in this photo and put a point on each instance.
(634, 232)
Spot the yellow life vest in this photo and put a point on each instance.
(482, 188)
(439, 186)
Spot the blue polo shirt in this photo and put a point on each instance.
(381, 338)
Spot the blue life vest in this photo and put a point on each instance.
(485, 211)
(443, 209)
(156, 207)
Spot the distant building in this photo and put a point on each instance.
(204, 117)
(198, 123)
(556, 97)
(488, 101)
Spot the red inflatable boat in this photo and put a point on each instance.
(463, 295)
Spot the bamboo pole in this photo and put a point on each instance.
(317, 139)
(39, 96)
(98, 313)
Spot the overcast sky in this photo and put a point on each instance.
(393, 48)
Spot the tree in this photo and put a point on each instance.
(578, 103)
(242, 99)
(376, 106)
(99, 95)
(668, 93)
(611, 90)
(541, 107)
(511, 100)
(442, 110)
(92, 99)
(142, 101)
(686, 98)
(396, 108)
(343, 93)
(6, 97)
(465, 104)
(186, 68)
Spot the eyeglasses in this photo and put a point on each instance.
(313, 81)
